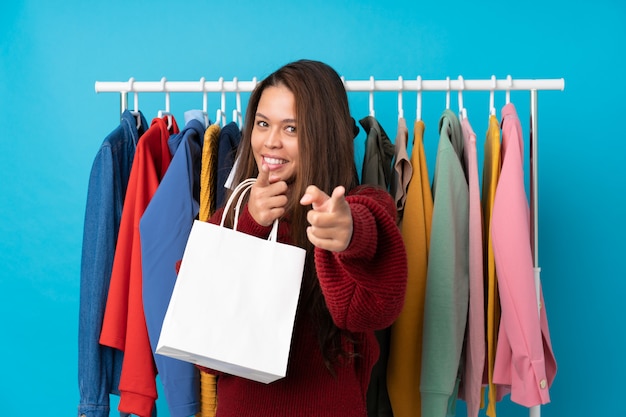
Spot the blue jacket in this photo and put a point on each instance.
(230, 136)
(99, 366)
(164, 229)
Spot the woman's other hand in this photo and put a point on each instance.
(330, 218)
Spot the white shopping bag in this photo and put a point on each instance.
(234, 302)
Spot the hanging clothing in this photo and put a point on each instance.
(99, 366)
(124, 324)
(379, 153)
(491, 173)
(208, 189)
(445, 308)
(474, 350)
(230, 136)
(402, 169)
(405, 347)
(208, 395)
(524, 362)
(208, 172)
(164, 228)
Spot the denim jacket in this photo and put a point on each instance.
(99, 366)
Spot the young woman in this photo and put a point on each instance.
(298, 143)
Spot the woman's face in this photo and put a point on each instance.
(274, 135)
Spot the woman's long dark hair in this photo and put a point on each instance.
(326, 159)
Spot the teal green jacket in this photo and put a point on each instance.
(447, 293)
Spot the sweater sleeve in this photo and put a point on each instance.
(364, 286)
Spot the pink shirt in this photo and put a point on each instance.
(470, 390)
(525, 363)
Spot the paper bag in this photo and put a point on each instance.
(234, 302)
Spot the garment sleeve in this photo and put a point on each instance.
(99, 366)
(364, 286)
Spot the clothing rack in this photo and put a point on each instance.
(372, 85)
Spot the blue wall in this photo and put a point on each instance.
(52, 123)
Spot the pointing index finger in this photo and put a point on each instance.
(263, 179)
(337, 197)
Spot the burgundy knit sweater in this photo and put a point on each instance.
(364, 289)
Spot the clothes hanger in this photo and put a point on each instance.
(492, 108)
(220, 116)
(400, 107)
(204, 102)
(418, 112)
(509, 82)
(135, 112)
(237, 117)
(447, 93)
(372, 112)
(166, 112)
(462, 110)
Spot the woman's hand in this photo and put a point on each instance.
(268, 198)
(330, 218)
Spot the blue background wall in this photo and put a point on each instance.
(52, 123)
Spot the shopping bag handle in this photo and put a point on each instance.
(241, 189)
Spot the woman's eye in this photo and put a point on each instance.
(261, 123)
(291, 129)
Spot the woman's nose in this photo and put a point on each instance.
(272, 140)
